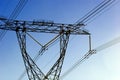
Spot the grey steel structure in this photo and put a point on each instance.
(22, 28)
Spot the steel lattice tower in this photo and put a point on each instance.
(22, 28)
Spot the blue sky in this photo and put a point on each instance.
(102, 66)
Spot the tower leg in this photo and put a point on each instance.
(33, 72)
(54, 72)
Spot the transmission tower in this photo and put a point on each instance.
(22, 28)
(64, 30)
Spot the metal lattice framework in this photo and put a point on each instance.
(22, 28)
(63, 30)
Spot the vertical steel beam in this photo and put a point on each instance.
(54, 72)
(33, 72)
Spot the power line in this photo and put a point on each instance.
(19, 7)
(117, 1)
(95, 11)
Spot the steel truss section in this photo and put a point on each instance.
(54, 72)
(43, 27)
(63, 30)
(33, 71)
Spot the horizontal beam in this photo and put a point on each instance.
(42, 27)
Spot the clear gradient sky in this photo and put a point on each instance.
(104, 65)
